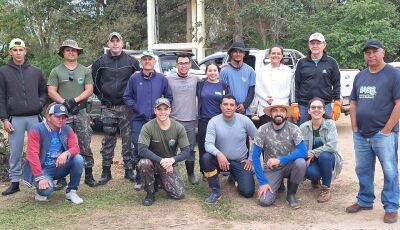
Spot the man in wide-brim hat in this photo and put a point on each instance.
(71, 84)
(284, 155)
(69, 43)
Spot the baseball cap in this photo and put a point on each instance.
(16, 42)
(317, 36)
(162, 101)
(374, 43)
(148, 53)
(114, 34)
(58, 110)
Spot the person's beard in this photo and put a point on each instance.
(278, 119)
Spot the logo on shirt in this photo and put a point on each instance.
(367, 92)
(324, 71)
(172, 142)
(80, 81)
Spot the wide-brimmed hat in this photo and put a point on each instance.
(239, 46)
(69, 43)
(278, 103)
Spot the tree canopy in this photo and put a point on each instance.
(44, 24)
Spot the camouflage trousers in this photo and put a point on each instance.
(81, 126)
(113, 118)
(171, 182)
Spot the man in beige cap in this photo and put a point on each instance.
(317, 75)
(71, 84)
(23, 94)
(284, 155)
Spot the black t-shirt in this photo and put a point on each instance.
(375, 94)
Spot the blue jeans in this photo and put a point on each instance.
(322, 167)
(243, 177)
(201, 137)
(73, 167)
(303, 108)
(367, 149)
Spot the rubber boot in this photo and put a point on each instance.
(130, 174)
(105, 175)
(190, 171)
(14, 187)
(282, 187)
(291, 195)
(89, 180)
(213, 183)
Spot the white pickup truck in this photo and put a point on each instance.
(346, 85)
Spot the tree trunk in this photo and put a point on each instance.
(238, 34)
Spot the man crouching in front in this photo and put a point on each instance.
(53, 153)
(158, 142)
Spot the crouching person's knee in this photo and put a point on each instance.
(145, 164)
(45, 192)
(266, 201)
(246, 192)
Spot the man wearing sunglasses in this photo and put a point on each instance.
(71, 84)
(23, 93)
(110, 74)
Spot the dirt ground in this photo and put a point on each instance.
(241, 213)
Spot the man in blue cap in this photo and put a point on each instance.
(53, 153)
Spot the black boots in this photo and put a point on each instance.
(190, 171)
(105, 175)
(14, 187)
(89, 180)
(213, 183)
(130, 174)
(291, 195)
(149, 200)
(61, 183)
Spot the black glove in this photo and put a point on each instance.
(70, 104)
(75, 109)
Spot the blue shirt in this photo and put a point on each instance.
(375, 94)
(142, 91)
(239, 80)
(210, 99)
(55, 149)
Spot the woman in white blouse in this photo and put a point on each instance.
(273, 83)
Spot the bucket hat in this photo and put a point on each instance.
(239, 46)
(69, 43)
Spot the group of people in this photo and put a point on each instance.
(156, 114)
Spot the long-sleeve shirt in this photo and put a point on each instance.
(229, 137)
(273, 82)
(142, 91)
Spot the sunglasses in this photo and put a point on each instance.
(17, 43)
(71, 75)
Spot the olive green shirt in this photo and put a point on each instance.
(163, 143)
(70, 83)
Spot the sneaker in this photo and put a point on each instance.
(61, 183)
(40, 198)
(213, 198)
(325, 194)
(73, 197)
(138, 186)
(390, 217)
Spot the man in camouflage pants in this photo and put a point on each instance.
(110, 74)
(158, 142)
(71, 84)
